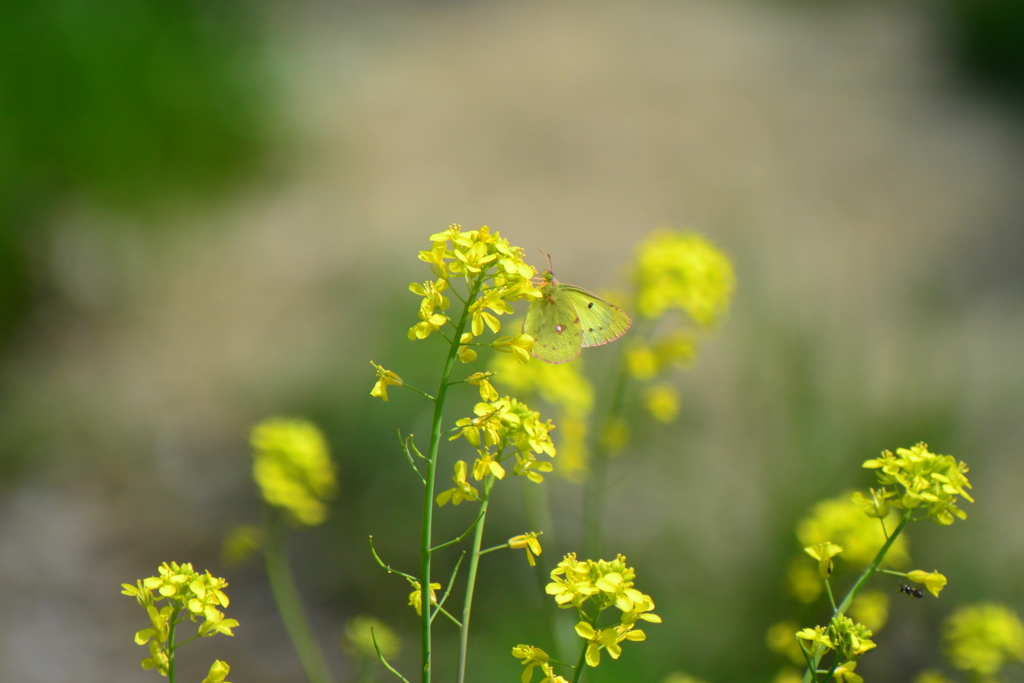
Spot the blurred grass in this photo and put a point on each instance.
(126, 105)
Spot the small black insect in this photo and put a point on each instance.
(916, 592)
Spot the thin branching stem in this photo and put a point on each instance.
(428, 492)
(474, 562)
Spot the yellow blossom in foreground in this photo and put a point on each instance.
(981, 639)
(292, 467)
(218, 672)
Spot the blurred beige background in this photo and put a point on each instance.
(870, 199)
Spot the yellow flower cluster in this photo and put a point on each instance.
(567, 390)
(849, 639)
(684, 271)
(497, 426)
(186, 592)
(923, 479)
(496, 275)
(981, 639)
(606, 584)
(292, 467)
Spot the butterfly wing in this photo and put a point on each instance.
(554, 324)
(600, 321)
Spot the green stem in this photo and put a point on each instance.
(861, 580)
(289, 604)
(474, 561)
(428, 492)
(170, 647)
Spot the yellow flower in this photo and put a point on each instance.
(926, 480)
(416, 597)
(385, 378)
(531, 656)
(218, 672)
(685, 271)
(981, 639)
(487, 391)
(823, 553)
(567, 390)
(933, 581)
(529, 542)
(292, 467)
(486, 464)
(519, 346)
(462, 491)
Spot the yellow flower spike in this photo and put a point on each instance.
(462, 491)
(823, 553)
(416, 597)
(662, 402)
(518, 346)
(530, 543)
(933, 581)
(385, 378)
(293, 468)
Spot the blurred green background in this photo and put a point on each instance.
(209, 213)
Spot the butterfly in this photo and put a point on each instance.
(566, 318)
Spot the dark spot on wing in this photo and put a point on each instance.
(590, 305)
(591, 329)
